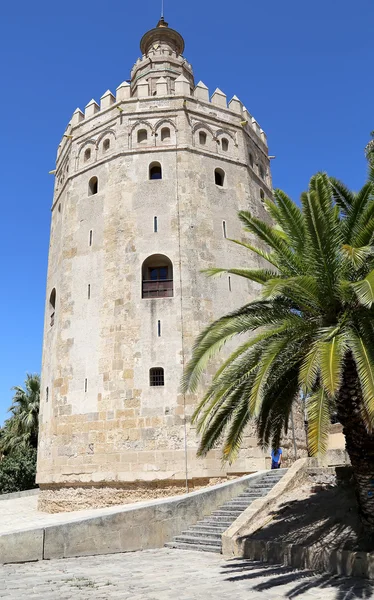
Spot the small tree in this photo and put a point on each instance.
(311, 328)
(21, 429)
(18, 470)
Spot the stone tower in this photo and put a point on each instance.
(148, 186)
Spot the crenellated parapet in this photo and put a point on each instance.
(123, 102)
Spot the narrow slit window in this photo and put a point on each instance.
(225, 145)
(262, 195)
(85, 385)
(89, 291)
(52, 306)
(251, 159)
(229, 283)
(155, 225)
(159, 328)
(202, 138)
(261, 171)
(90, 240)
(46, 394)
(87, 154)
(106, 145)
(156, 377)
(224, 229)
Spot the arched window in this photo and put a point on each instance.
(202, 138)
(156, 377)
(251, 159)
(262, 195)
(165, 134)
(106, 145)
(93, 186)
(219, 177)
(87, 154)
(155, 171)
(52, 305)
(157, 277)
(142, 136)
(225, 144)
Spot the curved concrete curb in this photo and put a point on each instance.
(125, 528)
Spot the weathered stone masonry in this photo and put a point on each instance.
(148, 186)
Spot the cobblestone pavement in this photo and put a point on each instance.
(170, 574)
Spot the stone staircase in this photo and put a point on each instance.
(206, 535)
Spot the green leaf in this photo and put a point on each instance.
(364, 290)
(331, 355)
(309, 369)
(318, 414)
(257, 275)
(363, 354)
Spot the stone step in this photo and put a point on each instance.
(208, 528)
(236, 506)
(220, 521)
(197, 547)
(206, 535)
(199, 540)
(231, 514)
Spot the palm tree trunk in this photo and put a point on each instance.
(359, 441)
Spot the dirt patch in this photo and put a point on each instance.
(68, 498)
(321, 513)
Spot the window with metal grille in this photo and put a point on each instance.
(156, 377)
(157, 275)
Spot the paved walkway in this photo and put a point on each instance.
(19, 514)
(170, 575)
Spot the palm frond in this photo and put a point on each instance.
(318, 415)
(363, 354)
(331, 355)
(257, 275)
(364, 290)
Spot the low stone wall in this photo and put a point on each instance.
(24, 494)
(121, 529)
(340, 562)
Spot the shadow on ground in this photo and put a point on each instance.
(298, 582)
(327, 518)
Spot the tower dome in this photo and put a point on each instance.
(162, 35)
(161, 49)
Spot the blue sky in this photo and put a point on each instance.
(303, 69)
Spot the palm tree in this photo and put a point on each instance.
(21, 429)
(312, 329)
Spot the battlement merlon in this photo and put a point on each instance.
(114, 105)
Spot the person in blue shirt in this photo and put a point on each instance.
(276, 458)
